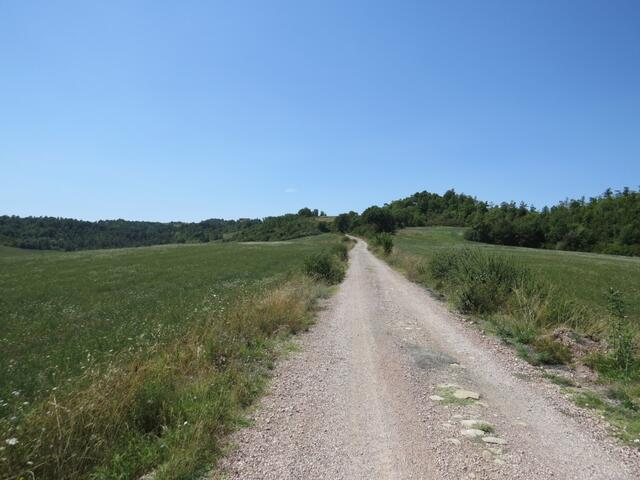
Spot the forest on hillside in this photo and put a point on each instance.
(52, 233)
(608, 223)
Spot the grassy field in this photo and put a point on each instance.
(12, 252)
(585, 277)
(66, 318)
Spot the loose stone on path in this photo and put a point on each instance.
(494, 440)
(466, 394)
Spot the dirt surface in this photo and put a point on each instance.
(371, 395)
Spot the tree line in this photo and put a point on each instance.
(53, 233)
(609, 223)
(419, 210)
(283, 227)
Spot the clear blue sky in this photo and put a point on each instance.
(186, 110)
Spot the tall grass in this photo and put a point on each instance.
(480, 283)
(499, 286)
(583, 278)
(169, 410)
(522, 307)
(380, 242)
(384, 240)
(622, 335)
(525, 309)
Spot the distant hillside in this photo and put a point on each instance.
(282, 228)
(52, 233)
(609, 223)
(419, 210)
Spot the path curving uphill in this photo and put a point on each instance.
(390, 385)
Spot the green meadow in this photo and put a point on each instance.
(117, 362)
(584, 277)
(62, 313)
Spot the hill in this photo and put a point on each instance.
(52, 233)
(284, 227)
(609, 223)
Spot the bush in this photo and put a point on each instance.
(380, 219)
(482, 282)
(384, 240)
(284, 227)
(343, 222)
(324, 266)
(342, 251)
(520, 305)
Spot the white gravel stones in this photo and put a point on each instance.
(494, 440)
(466, 394)
(474, 423)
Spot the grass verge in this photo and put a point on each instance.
(545, 325)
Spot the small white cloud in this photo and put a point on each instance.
(290, 190)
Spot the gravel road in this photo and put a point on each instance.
(371, 395)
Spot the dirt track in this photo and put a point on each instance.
(355, 401)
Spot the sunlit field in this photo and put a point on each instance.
(64, 313)
(585, 277)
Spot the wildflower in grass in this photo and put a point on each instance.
(11, 441)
